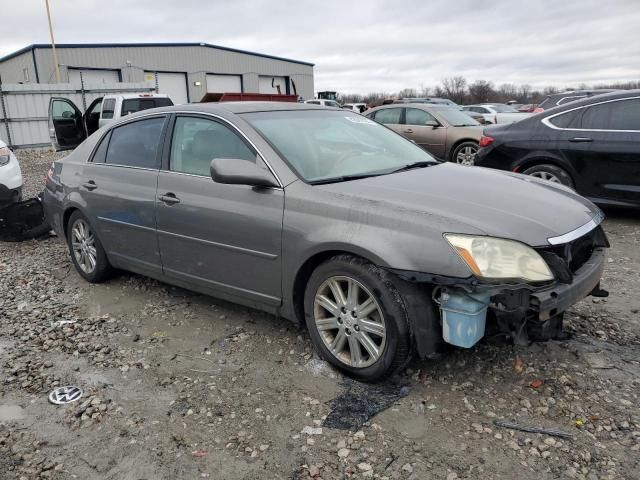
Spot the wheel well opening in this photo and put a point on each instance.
(303, 275)
(65, 219)
(544, 161)
(458, 143)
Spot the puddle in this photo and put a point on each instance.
(10, 413)
(351, 409)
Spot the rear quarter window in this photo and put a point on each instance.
(567, 120)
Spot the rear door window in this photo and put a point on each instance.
(389, 116)
(618, 115)
(136, 144)
(568, 120)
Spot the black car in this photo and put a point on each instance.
(591, 145)
(557, 99)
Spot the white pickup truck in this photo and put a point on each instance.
(68, 126)
(496, 112)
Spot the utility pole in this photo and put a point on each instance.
(53, 43)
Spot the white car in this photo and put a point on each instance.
(356, 107)
(10, 176)
(65, 116)
(496, 112)
(323, 102)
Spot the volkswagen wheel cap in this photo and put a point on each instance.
(64, 395)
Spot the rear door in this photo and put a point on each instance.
(424, 129)
(610, 140)
(119, 190)
(217, 238)
(66, 124)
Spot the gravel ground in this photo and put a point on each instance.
(178, 385)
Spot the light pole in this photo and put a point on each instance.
(53, 43)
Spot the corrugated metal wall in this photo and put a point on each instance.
(27, 107)
(13, 69)
(195, 61)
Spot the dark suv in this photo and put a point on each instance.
(591, 145)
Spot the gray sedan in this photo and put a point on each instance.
(325, 217)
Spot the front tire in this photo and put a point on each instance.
(357, 319)
(465, 154)
(87, 253)
(551, 173)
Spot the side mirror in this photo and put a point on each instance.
(234, 171)
(432, 124)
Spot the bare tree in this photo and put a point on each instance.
(407, 93)
(523, 93)
(481, 91)
(455, 88)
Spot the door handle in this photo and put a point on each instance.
(169, 198)
(90, 185)
(408, 130)
(581, 140)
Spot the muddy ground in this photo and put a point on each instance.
(183, 386)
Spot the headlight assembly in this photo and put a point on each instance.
(5, 155)
(499, 259)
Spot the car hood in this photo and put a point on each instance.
(477, 201)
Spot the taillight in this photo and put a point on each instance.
(538, 110)
(485, 141)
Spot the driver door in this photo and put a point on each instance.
(66, 124)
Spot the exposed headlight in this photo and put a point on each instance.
(5, 155)
(499, 259)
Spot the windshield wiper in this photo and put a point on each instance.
(344, 178)
(413, 165)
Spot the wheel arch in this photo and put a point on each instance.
(307, 268)
(547, 160)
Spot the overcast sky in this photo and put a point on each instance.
(362, 46)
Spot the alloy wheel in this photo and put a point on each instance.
(83, 246)
(550, 177)
(349, 321)
(466, 156)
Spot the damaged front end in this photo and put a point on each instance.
(476, 306)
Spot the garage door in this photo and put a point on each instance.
(270, 84)
(172, 84)
(224, 83)
(94, 76)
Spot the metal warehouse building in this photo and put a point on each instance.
(184, 71)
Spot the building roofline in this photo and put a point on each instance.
(125, 45)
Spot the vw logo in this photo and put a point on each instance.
(64, 395)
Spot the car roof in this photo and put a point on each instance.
(237, 107)
(616, 94)
(138, 95)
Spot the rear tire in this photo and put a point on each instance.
(550, 173)
(357, 319)
(85, 248)
(465, 153)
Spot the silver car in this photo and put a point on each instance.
(323, 216)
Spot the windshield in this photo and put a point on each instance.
(455, 117)
(324, 144)
(504, 109)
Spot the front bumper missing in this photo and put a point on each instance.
(557, 299)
